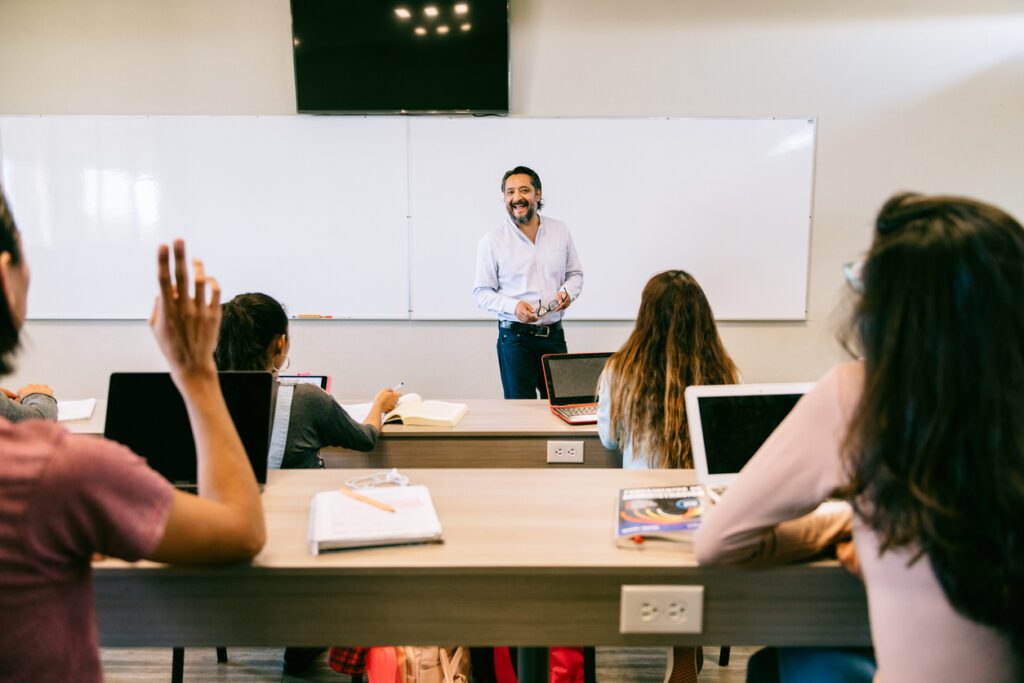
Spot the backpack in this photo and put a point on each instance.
(428, 664)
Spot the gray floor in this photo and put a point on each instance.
(614, 665)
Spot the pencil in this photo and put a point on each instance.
(366, 499)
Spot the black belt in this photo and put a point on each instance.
(531, 330)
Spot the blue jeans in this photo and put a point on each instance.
(522, 374)
(812, 665)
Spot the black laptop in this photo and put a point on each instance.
(146, 413)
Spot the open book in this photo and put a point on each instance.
(338, 521)
(658, 513)
(413, 410)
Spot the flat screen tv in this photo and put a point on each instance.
(401, 56)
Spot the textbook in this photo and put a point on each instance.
(398, 515)
(413, 410)
(658, 513)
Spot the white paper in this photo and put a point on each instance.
(358, 411)
(338, 521)
(75, 410)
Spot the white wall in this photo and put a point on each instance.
(917, 94)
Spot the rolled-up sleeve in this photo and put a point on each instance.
(573, 284)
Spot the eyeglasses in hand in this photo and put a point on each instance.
(544, 309)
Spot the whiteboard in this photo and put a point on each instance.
(379, 217)
(728, 200)
(310, 210)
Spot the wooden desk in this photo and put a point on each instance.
(494, 433)
(528, 559)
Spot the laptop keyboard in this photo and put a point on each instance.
(578, 411)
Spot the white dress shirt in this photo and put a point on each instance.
(510, 268)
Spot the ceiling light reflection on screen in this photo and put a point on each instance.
(466, 27)
(403, 13)
(461, 8)
(430, 11)
(420, 31)
(442, 29)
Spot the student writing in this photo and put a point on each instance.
(254, 336)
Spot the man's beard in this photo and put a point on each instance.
(525, 218)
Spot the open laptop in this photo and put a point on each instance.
(571, 380)
(322, 381)
(146, 413)
(729, 422)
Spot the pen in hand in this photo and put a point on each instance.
(398, 387)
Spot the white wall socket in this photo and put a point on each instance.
(565, 451)
(661, 609)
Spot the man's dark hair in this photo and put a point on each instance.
(8, 326)
(534, 180)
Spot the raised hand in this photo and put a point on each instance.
(185, 327)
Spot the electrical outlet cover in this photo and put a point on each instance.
(661, 609)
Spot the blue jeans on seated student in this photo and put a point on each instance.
(519, 354)
(812, 665)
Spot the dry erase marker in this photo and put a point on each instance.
(314, 316)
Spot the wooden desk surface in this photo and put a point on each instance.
(528, 559)
(493, 433)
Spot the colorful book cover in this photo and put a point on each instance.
(661, 512)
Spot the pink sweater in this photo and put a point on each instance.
(917, 634)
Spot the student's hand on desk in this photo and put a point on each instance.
(846, 553)
(34, 389)
(387, 399)
(186, 327)
(525, 313)
(10, 394)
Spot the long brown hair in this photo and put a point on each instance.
(675, 344)
(935, 450)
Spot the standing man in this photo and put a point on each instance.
(527, 272)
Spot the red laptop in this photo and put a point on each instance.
(571, 379)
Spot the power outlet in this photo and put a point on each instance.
(565, 451)
(661, 609)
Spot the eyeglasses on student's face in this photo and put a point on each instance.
(544, 309)
(854, 274)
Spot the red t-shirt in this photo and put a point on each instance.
(62, 498)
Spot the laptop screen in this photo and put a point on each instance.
(572, 377)
(734, 427)
(146, 413)
(322, 381)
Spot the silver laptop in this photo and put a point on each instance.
(729, 422)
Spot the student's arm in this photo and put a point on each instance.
(225, 522)
(604, 414)
(763, 517)
(384, 402)
(34, 403)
